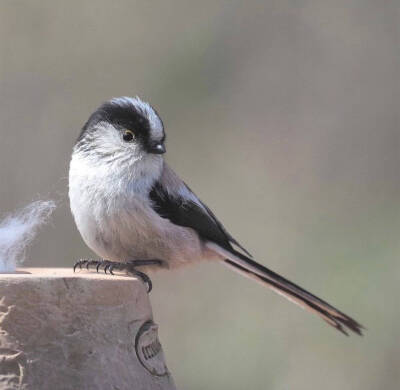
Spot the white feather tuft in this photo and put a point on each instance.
(17, 231)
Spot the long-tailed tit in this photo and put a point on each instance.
(134, 211)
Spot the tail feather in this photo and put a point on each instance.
(289, 290)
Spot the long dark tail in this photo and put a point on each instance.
(289, 290)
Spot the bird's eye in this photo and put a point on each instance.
(128, 136)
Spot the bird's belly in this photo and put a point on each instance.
(122, 229)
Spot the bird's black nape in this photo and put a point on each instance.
(123, 112)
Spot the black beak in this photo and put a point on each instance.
(157, 148)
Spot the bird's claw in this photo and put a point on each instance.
(144, 277)
(129, 267)
(80, 263)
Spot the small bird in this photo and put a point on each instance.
(135, 212)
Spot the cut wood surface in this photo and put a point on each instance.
(60, 330)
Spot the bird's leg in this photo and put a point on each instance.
(129, 267)
(87, 263)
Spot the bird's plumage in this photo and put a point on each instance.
(181, 206)
(176, 202)
(129, 204)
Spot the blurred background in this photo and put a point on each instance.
(283, 116)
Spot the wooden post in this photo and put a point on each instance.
(66, 331)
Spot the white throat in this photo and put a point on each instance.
(114, 176)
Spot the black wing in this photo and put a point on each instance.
(173, 200)
(191, 212)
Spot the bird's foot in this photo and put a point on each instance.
(129, 267)
(87, 263)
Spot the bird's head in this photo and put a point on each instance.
(123, 129)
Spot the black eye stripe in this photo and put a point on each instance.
(123, 114)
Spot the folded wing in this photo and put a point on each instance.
(172, 199)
